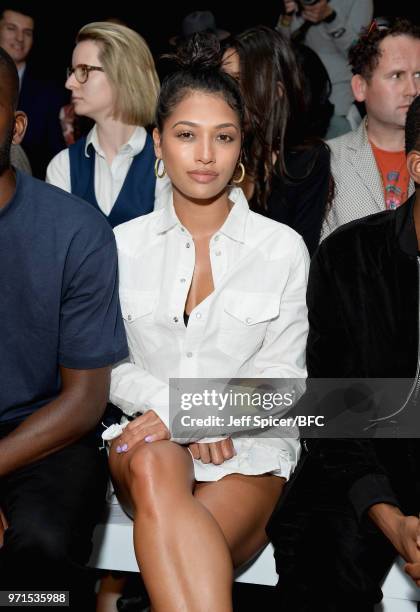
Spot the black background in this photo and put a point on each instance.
(57, 25)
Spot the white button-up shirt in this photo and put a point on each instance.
(254, 323)
(109, 179)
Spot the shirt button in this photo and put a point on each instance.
(187, 246)
(182, 229)
(175, 319)
(129, 317)
(198, 315)
(189, 354)
(248, 320)
(218, 253)
(182, 280)
(216, 238)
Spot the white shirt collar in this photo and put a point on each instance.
(134, 145)
(21, 72)
(234, 227)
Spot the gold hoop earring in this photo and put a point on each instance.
(162, 174)
(241, 178)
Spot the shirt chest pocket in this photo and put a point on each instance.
(138, 310)
(244, 322)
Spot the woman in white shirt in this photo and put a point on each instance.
(113, 81)
(208, 289)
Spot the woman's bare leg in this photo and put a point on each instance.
(110, 590)
(241, 505)
(181, 550)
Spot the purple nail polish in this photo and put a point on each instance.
(124, 448)
(118, 449)
(148, 438)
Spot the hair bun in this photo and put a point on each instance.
(200, 52)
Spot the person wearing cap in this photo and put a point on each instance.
(198, 21)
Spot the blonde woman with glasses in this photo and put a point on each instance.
(113, 81)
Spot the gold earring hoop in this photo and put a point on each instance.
(241, 178)
(162, 174)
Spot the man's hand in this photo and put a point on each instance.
(146, 428)
(403, 532)
(406, 541)
(215, 452)
(71, 415)
(317, 12)
(413, 569)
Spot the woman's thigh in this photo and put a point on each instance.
(160, 470)
(241, 505)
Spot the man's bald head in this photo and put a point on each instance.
(9, 79)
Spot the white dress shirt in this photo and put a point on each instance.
(21, 72)
(109, 179)
(254, 323)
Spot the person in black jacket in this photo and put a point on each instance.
(39, 99)
(353, 504)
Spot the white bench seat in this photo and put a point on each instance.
(113, 550)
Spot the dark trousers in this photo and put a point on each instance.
(326, 560)
(51, 507)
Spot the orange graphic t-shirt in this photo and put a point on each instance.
(395, 178)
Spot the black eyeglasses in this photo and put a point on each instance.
(82, 71)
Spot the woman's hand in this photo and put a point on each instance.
(213, 452)
(146, 428)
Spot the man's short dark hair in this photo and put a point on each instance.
(412, 127)
(9, 73)
(24, 8)
(365, 53)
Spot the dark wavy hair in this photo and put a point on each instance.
(198, 64)
(365, 53)
(273, 91)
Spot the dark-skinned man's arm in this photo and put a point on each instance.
(72, 414)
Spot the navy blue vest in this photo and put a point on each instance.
(137, 195)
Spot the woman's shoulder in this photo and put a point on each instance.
(140, 228)
(58, 170)
(263, 228)
(62, 157)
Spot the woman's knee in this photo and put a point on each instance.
(151, 470)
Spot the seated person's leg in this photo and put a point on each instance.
(241, 506)
(325, 559)
(176, 540)
(51, 508)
